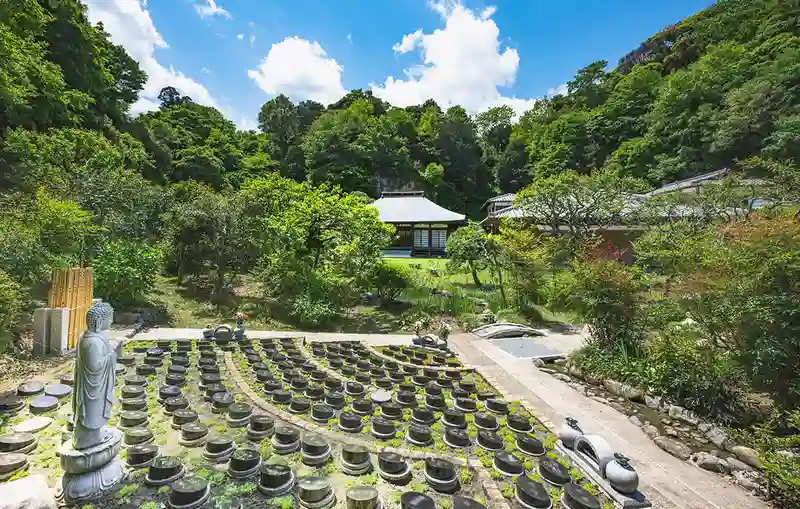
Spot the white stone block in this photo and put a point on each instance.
(59, 330)
(41, 331)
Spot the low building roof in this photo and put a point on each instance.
(413, 207)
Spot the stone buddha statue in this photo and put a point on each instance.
(93, 394)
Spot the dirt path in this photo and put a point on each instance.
(666, 480)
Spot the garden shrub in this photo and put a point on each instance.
(125, 271)
(604, 293)
(10, 304)
(390, 280)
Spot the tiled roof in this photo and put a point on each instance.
(413, 208)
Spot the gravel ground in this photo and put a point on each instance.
(19, 366)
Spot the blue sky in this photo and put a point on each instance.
(236, 54)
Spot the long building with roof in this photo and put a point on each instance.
(422, 225)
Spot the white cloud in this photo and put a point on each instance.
(462, 63)
(559, 90)
(210, 9)
(409, 42)
(240, 36)
(300, 69)
(247, 124)
(130, 25)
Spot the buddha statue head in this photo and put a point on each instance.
(99, 317)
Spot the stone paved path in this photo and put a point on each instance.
(666, 480)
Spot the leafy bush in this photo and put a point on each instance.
(125, 271)
(604, 293)
(775, 441)
(10, 303)
(390, 280)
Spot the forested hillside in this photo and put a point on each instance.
(78, 173)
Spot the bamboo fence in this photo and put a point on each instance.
(72, 288)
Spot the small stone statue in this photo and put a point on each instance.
(90, 460)
(94, 378)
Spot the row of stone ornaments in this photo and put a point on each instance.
(685, 434)
(595, 453)
(91, 460)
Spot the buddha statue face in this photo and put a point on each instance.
(99, 317)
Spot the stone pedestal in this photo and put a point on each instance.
(59, 330)
(91, 472)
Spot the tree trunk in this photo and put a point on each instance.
(474, 274)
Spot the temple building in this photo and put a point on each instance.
(422, 226)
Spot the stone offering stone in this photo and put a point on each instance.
(419, 435)
(415, 500)
(316, 450)
(393, 467)
(132, 392)
(43, 404)
(276, 479)
(363, 378)
(164, 470)
(518, 423)
(11, 403)
(11, 463)
(142, 455)
(423, 416)
(322, 412)
(218, 449)
(486, 421)
(391, 410)
(32, 425)
(490, 440)
(168, 391)
(553, 472)
(285, 440)
(30, 388)
(220, 402)
(529, 445)
(126, 360)
(22, 443)
(133, 418)
(383, 428)
(465, 404)
(467, 385)
(244, 463)
(456, 438)
(350, 422)
(314, 492)
(362, 497)
(531, 494)
(380, 397)
(486, 395)
(176, 369)
(406, 398)
(440, 474)
(362, 407)
(139, 435)
(135, 380)
(432, 389)
(299, 405)
(576, 497)
(497, 406)
(435, 401)
(454, 419)
(508, 464)
(334, 399)
(134, 404)
(355, 459)
(145, 370)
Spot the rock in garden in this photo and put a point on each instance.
(737, 465)
(624, 390)
(635, 420)
(560, 362)
(678, 412)
(539, 363)
(677, 449)
(711, 463)
(549, 371)
(650, 430)
(719, 437)
(575, 372)
(652, 402)
(561, 376)
(747, 455)
(747, 480)
(670, 432)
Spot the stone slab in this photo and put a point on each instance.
(32, 425)
(30, 492)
